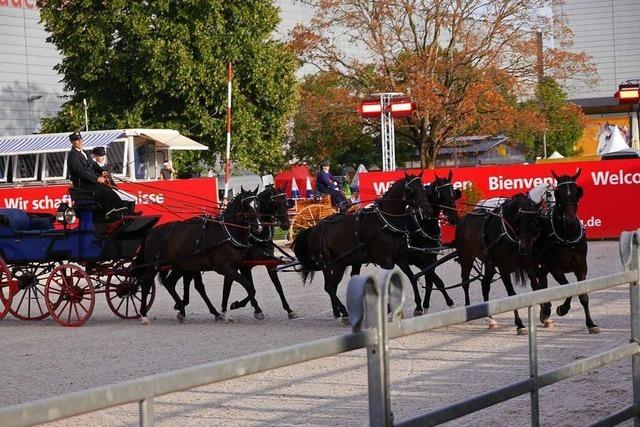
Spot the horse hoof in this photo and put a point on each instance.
(450, 304)
(344, 321)
(180, 317)
(145, 321)
(292, 315)
(523, 331)
(594, 330)
(549, 324)
(561, 310)
(220, 318)
(493, 324)
(234, 305)
(417, 312)
(258, 316)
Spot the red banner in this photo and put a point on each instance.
(174, 200)
(611, 188)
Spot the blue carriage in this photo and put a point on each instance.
(56, 270)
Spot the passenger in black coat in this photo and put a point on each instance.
(86, 174)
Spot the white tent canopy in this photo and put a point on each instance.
(555, 155)
(610, 139)
(59, 142)
(355, 182)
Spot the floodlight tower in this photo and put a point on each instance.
(387, 106)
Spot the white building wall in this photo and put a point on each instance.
(29, 86)
(608, 31)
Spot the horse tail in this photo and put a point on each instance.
(520, 277)
(303, 254)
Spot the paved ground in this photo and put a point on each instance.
(427, 370)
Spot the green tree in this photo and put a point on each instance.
(162, 63)
(327, 125)
(562, 122)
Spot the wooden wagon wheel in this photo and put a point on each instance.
(69, 295)
(124, 293)
(308, 217)
(8, 288)
(29, 301)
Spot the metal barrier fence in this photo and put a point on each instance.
(367, 300)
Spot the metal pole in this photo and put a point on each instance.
(383, 132)
(533, 367)
(146, 413)
(379, 404)
(86, 115)
(228, 154)
(544, 144)
(634, 297)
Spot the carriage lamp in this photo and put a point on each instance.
(65, 214)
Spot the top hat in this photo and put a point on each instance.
(326, 163)
(99, 151)
(75, 136)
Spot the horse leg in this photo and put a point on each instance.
(332, 280)
(466, 263)
(563, 308)
(170, 286)
(247, 284)
(246, 273)
(186, 282)
(538, 283)
(406, 269)
(485, 283)
(273, 274)
(435, 279)
(147, 281)
(199, 286)
(506, 279)
(581, 274)
(226, 291)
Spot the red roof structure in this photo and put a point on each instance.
(300, 172)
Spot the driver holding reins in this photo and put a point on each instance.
(87, 175)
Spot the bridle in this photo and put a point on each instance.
(574, 202)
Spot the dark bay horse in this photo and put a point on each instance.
(201, 244)
(501, 238)
(274, 207)
(425, 234)
(563, 248)
(373, 235)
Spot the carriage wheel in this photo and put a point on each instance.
(29, 301)
(124, 295)
(8, 288)
(308, 217)
(69, 295)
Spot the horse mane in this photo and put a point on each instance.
(234, 206)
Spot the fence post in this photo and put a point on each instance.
(533, 367)
(146, 412)
(365, 301)
(634, 297)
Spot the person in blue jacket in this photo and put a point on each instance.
(328, 184)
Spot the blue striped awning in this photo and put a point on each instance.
(55, 142)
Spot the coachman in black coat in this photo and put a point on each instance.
(86, 174)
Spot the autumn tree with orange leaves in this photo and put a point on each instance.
(466, 63)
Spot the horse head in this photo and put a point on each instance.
(522, 218)
(567, 194)
(442, 195)
(273, 202)
(413, 194)
(245, 208)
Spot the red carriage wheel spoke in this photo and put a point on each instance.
(75, 308)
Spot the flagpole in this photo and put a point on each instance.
(228, 154)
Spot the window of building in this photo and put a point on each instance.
(4, 168)
(25, 167)
(116, 158)
(55, 166)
